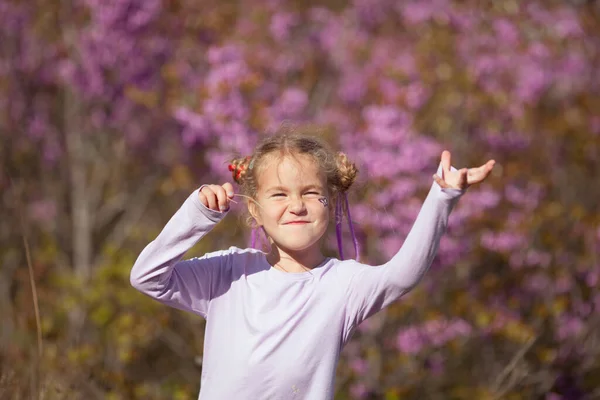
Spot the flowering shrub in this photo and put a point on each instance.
(121, 107)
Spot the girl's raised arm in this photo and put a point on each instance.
(188, 285)
(372, 288)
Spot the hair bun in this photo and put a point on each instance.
(347, 171)
(239, 168)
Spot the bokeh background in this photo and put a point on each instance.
(113, 111)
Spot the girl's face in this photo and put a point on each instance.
(291, 213)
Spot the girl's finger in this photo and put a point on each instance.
(211, 198)
(463, 178)
(487, 167)
(203, 199)
(228, 189)
(222, 199)
(446, 163)
(473, 175)
(478, 174)
(439, 181)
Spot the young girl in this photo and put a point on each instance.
(277, 321)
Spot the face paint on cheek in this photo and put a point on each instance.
(324, 201)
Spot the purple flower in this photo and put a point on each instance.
(418, 12)
(405, 62)
(502, 241)
(359, 365)
(506, 31)
(281, 24)
(527, 198)
(353, 87)
(359, 391)
(42, 210)
(569, 326)
(532, 79)
(371, 12)
(415, 95)
(224, 54)
(435, 363)
(410, 341)
(566, 23)
(538, 282)
(538, 258)
(293, 101)
(592, 278)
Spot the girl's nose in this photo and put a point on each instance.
(297, 205)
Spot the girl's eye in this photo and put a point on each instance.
(313, 193)
(278, 194)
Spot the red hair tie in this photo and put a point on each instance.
(238, 169)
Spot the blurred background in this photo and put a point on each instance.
(112, 112)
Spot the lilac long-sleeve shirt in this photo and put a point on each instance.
(270, 334)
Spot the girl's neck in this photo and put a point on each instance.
(294, 261)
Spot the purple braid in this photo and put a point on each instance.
(253, 238)
(354, 240)
(338, 225)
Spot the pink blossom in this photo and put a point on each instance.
(463, 20)
(506, 31)
(293, 100)
(532, 79)
(359, 365)
(359, 391)
(538, 282)
(416, 95)
(566, 23)
(502, 241)
(436, 364)
(592, 278)
(417, 12)
(353, 87)
(436, 332)
(224, 54)
(538, 258)
(482, 199)
(569, 327)
(42, 210)
(371, 12)
(596, 302)
(564, 284)
(410, 341)
(527, 197)
(281, 24)
(405, 62)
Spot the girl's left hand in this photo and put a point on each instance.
(462, 178)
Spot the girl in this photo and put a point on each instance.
(276, 321)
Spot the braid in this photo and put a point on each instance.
(347, 171)
(239, 168)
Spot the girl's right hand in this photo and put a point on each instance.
(216, 197)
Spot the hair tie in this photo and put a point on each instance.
(339, 211)
(237, 169)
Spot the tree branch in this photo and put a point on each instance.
(511, 367)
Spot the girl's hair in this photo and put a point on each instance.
(339, 171)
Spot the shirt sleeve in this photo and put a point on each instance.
(371, 288)
(159, 272)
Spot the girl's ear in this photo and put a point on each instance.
(255, 212)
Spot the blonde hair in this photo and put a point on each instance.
(339, 171)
